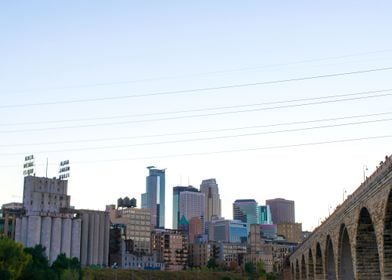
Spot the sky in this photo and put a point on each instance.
(288, 99)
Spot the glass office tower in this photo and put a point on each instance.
(154, 197)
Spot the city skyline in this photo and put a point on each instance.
(288, 101)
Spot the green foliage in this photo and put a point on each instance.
(67, 268)
(249, 268)
(69, 274)
(5, 274)
(127, 274)
(38, 267)
(272, 276)
(260, 269)
(13, 259)
(212, 264)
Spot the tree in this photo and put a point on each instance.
(38, 268)
(212, 264)
(260, 269)
(5, 274)
(249, 268)
(13, 259)
(67, 268)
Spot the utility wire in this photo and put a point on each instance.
(194, 91)
(195, 132)
(199, 139)
(250, 68)
(232, 151)
(202, 109)
(194, 116)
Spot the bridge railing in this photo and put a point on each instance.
(367, 188)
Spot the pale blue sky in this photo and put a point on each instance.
(71, 50)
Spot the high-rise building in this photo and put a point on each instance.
(212, 200)
(264, 215)
(245, 210)
(191, 205)
(282, 210)
(154, 197)
(176, 202)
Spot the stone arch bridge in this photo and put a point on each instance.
(355, 242)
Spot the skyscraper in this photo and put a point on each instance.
(282, 210)
(154, 197)
(176, 202)
(212, 200)
(191, 205)
(245, 210)
(264, 215)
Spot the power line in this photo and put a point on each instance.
(202, 109)
(195, 116)
(199, 139)
(196, 90)
(195, 132)
(232, 151)
(250, 68)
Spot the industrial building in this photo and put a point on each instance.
(49, 220)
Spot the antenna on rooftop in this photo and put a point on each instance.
(46, 173)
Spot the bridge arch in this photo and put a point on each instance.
(345, 260)
(303, 268)
(297, 270)
(292, 271)
(310, 265)
(319, 263)
(330, 260)
(367, 257)
(388, 238)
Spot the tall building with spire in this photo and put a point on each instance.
(154, 197)
(212, 200)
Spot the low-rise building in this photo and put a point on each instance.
(258, 250)
(171, 247)
(8, 214)
(291, 232)
(229, 231)
(200, 254)
(138, 227)
(230, 253)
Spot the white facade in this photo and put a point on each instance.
(192, 205)
(45, 222)
(94, 241)
(44, 195)
(50, 221)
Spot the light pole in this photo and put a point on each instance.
(364, 169)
